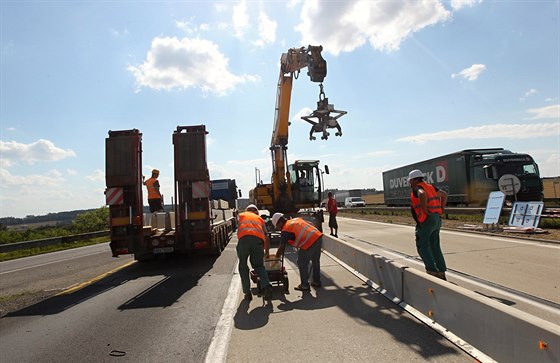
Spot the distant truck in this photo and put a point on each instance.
(468, 177)
(196, 224)
(225, 189)
(341, 195)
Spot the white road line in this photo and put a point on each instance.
(50, 263)
(473, 235)
(217, 351)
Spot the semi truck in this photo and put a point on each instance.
(468, 176)
(196, 223)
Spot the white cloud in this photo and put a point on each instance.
(293, 3)
(97, 176)
(240, 19)
(51, 178)
(552, 111)
(458, 4)
(71, 172)
(527, 94)
(41, 150)
(267, 30)
(306, 111)
(345, 26)
(471, 73)
(173, 63)
(498, 131)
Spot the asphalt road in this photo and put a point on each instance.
(168, 309)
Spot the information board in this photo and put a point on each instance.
(526, 214)
(494, 208)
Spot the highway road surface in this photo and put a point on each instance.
(191, 309)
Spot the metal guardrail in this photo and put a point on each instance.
(9, 247)
(547, 213)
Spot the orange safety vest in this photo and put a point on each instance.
(433, 202)
(306, 234)
(152, 192)
(251, 224)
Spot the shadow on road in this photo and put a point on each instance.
(178, 275)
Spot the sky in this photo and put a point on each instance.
(418, 79)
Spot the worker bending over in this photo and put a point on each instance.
(309, 241)
(253, 241)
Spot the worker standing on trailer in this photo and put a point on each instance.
(155, 199)
(427, 204)
(251, 234)
(309, 241)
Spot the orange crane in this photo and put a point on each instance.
(299, 185)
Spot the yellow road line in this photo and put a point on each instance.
(95, 279)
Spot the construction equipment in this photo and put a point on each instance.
(195, 224)
(299, 185)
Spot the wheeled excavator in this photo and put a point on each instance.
(296, 189)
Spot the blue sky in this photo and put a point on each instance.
(417, 78)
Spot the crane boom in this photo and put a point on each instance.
(283, 195)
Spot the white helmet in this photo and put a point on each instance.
(252, 207)
(275, 218)
(416, 173)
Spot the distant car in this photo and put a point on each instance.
(351, 202)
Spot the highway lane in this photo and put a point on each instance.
(527, 266)
(37, 277)
(164, 310)
(167, 310)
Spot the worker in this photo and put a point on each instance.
(427, 204)
(155, 199)
(252, 243)
(309, 241)
(333, 210)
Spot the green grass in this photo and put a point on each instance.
(5, 256)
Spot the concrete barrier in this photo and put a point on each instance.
(499, 331)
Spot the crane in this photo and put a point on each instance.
(298, 185)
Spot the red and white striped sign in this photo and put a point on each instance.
(114, 196)
(201, 189)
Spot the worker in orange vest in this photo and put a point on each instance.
(427, 204)
(309, 241)
(155, 199)
(252, 243)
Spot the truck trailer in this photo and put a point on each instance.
(468, 176)
(196, 223)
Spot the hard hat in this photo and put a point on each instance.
(416, 173)
(276, 217)
(155, 171)
(252, 207)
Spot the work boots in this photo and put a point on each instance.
(439, 275)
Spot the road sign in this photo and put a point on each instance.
(526, 214)
(509, 184)
(494, 208)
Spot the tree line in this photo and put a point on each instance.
(90, 221)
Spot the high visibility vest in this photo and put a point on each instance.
(251, 224)
(306, 234)
(433, 202)
(152, 192)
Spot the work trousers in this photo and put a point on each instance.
(428, 244)
(251, 247)
(313, 255)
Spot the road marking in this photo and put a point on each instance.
(217, 351)
(95, 279)
(49, 263)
